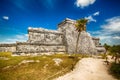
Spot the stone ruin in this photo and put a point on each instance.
(62, 40)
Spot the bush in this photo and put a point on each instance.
(115, 69)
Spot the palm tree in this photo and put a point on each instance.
(107, 48)
(80, 26)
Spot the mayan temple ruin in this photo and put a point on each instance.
(62, 40)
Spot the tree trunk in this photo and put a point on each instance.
(77, 42)
(105, 54)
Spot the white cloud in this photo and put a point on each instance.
(5, 17)
(84, 3)
(112, 25)
(110, 31)
(20, 38)
(90, 19)
(29, 27)
(116, 37)
(96, 13)
(95, 32)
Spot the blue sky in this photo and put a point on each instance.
(17, 15)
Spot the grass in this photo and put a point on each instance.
(5, 54)
(115, 70)
(45, 69)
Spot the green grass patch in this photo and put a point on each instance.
(115, 70)
(12, 61)
(45, 69)
(5, 54)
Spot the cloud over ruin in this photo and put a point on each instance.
(90, 17)
(110, 31)
(84, 3)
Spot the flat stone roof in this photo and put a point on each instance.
(95, 38)
(67, 20)
(7, 45)
(42, 30)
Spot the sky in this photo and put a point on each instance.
(16, 16)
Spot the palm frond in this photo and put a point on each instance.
(81, 25)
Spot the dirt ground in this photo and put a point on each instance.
(89, 69)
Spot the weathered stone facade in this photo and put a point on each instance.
(23, 47)
(44, 36)
(85, 45)
(41, 41)
(96, 41)
(62, 40)
(7, 47)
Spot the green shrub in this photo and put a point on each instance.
(115, 70)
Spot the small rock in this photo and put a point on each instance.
(57, 61)
(4, 58)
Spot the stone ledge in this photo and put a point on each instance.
(94, 38)
(7, 45)
(36, 54)
(40, 30)
(36, 51)
(99, 46)
(67, 20)
(25, 43)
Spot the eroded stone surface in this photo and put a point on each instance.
(44, 36)
(85, 44)
(7, 47)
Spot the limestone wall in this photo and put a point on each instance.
(39, 40)
(69, 39)
(100, 49)
(44, 36)
(7, 47)
(85, 44)
(23, 47)
(96, 41)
